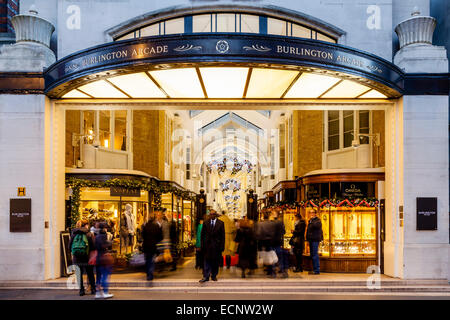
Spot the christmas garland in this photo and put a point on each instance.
(340, 202)
(326, 203)
(230, 184)
(221, 165)
(151, 186)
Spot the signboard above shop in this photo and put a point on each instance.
(124, 192)
(152, 51)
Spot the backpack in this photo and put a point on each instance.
(80, 245)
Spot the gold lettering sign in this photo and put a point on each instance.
(305, 52)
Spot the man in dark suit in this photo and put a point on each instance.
(213, 243)
(151, 234)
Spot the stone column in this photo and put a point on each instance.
(417, 166)
(30, 156)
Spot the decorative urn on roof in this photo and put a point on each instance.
(32, 28)
(417, 29)
(417, 54)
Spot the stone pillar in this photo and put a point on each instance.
(417, 161)
(31, 154)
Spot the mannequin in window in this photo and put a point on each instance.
(127, 228)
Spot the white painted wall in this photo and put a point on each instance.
(425, 172)
(22, 159)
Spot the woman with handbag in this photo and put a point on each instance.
(105, 261)
(297, 241)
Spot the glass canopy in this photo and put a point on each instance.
(225, 82)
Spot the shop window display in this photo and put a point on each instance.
(347, 231)
(124, 216)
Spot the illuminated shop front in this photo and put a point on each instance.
(108, 96)
(349, 207)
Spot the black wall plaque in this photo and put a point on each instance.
(19, 215)
(426, 213)
(124, 192)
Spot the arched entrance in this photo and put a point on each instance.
(226, 71)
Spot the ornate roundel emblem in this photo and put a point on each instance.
(201, 200)
(250, 200)
(222, 46)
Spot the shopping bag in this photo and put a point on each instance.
(260, 260)
(137, 260)
(273, 256)
(93, 258)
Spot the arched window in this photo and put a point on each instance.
(239, 20)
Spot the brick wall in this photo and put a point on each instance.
(8, 9)
(148, 142)
(308, 131)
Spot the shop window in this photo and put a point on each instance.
(282, 143)
(105, 128)
(277, 27)
(249, 23)
(348, 128)
(152, 30)
(97, 205)
(364, 125)
(174, 26)
(323, 37)
(188, 163)
(301, 32)
(120, 130)
(333, 130)
(272, 161)
(346, 124)
(89, 127)
(291, 136)
(226, 22)
(202, 23)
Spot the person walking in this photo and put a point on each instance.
(230, 235)
(314, 235)
(277, 244)
(298, 241)
(82, 245)
(173, 238)
(151, 235)
(245, 237)
(104, 263)
(198, 247)
(265, 234)
(213, 242)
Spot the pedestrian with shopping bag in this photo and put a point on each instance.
(245, 238)
(152, 235)
(105, 261)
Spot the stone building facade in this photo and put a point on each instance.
(396, 56)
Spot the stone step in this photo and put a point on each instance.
(445, 290)
(234, 283)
